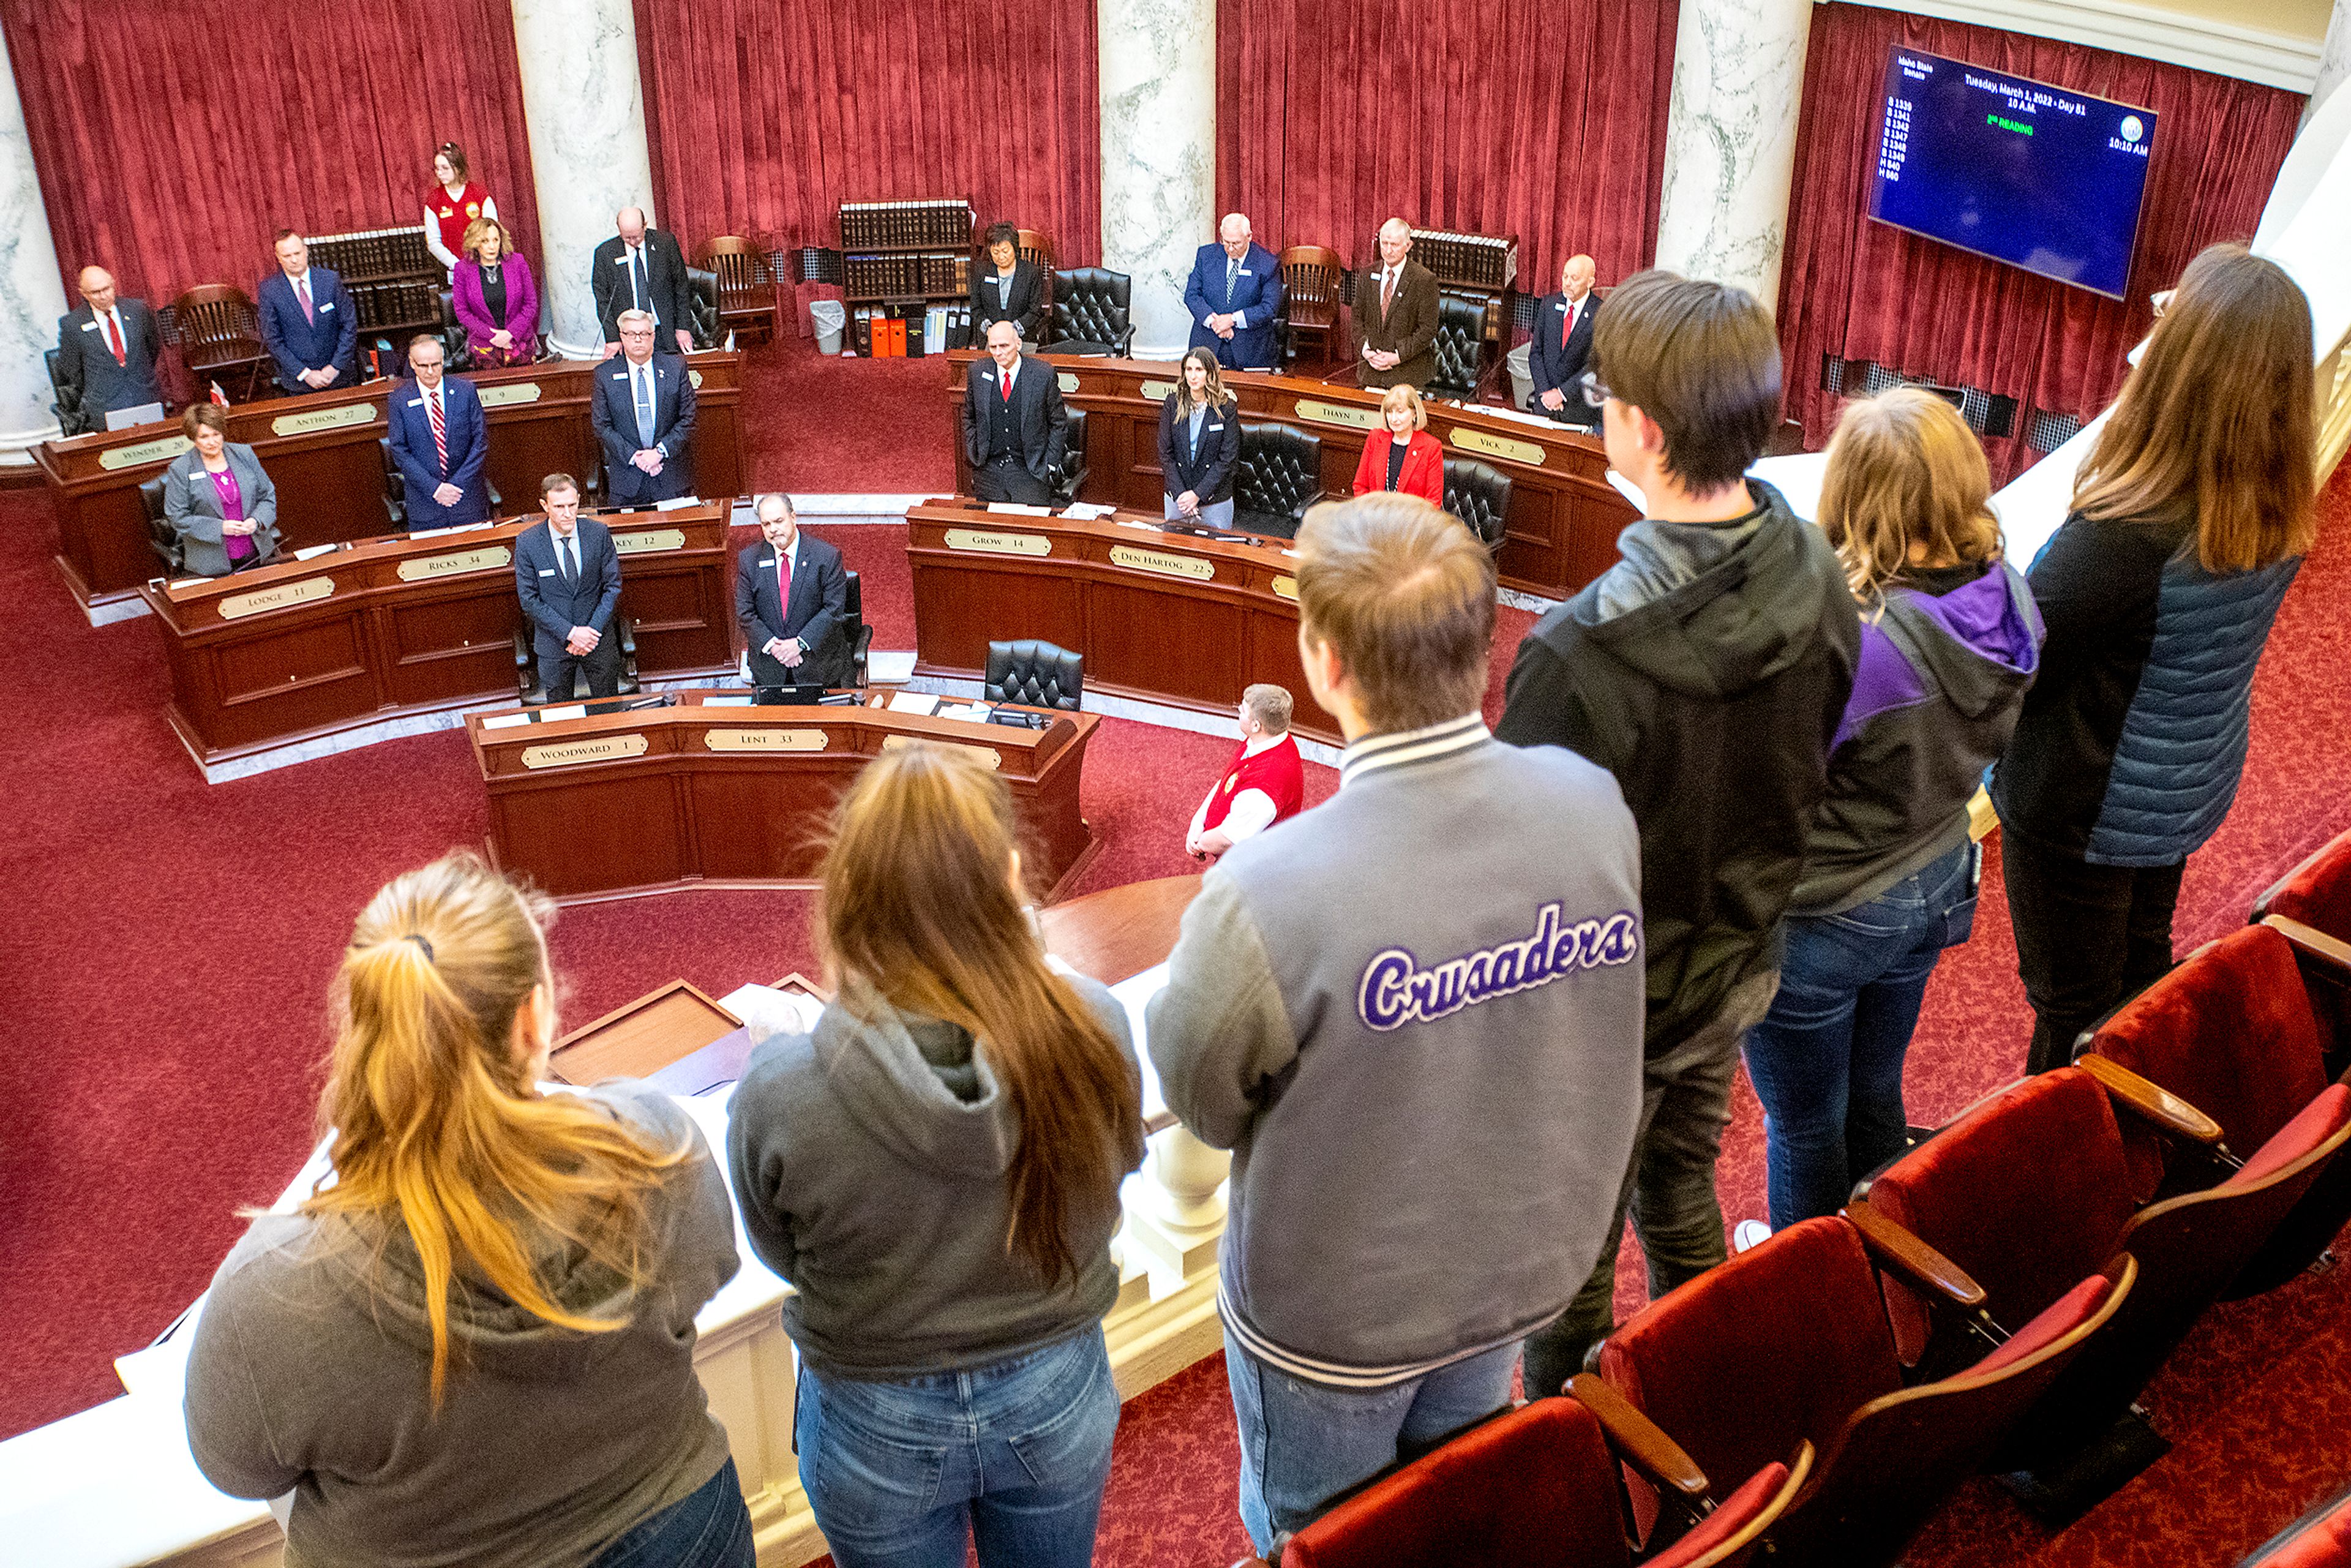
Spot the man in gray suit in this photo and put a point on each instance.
(107, 350)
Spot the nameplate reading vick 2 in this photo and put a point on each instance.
(163, 449)
(508, 395)
(238, 605)
(1286, 587)
(1322, 413)
(1492, 445)
(482, 559)
(348, 415)
(989, 542)
(767, 739)
(983, 755)
(1163, 563)
(648, 539)
(570, 753)
(1159, 392)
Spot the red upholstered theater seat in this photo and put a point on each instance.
(2319, 1538)
(2317, 892)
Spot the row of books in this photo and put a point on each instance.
(909, 329)
(396, 304)
(376, 253)
(878, 277)
(1477, 261)
(872, 226)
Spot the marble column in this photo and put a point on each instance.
(1730, 140)
(32, 296)
(2334, 59)
(586, 112)
(1159, 156)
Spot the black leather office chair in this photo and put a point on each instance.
(860, 635)
(65, 402)
(1035, 673)
(526, 664)
(1090, 314)
(1074, 460)
(160, 534)
(1280, 475)
(1480, 495)
(395, 490)
(702, 303)
(1460, 348)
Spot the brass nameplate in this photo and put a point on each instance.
(1163, 563)
(648, 539)
(1286, 587)
(570, 753)
(983, 755)
(1339, 414)
(238, 605)
(1068, 379)
(765, 739)
(695, 377)
(1494, 445)
(345, 416)
(1160, 390)
(508, 395)
(430, 566)
(163, 449)
(989, 542)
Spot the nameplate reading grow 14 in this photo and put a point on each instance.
(431, 565)
(238, 605)
(988, 541)
(571, 753)
(345, 417)
(1161, 562)
(766, 740)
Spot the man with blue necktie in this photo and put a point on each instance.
(568, 577)
(642, 411)
(642, 268)
(1234, 295)
(439, 441)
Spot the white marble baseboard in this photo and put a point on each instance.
(106, 615)
(1532, 603)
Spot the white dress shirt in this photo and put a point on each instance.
(1252, 810)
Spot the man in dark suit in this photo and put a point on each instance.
(791, 599)
(1234, 295)
(642, 268)
(1013, 426)
(568, 576)
(307, 321)
(1396, 314)
(439, 439)
(644, 415)
(1561, 349)
(107, 350)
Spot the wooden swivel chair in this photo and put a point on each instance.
(1036, 247)
(219, 335)
(747, 286)
(1310, 288)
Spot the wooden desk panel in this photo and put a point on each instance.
(640, 1038)
(320, 451)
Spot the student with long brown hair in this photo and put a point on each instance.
(2189, 520)
(474, 1342)
(935, 1170)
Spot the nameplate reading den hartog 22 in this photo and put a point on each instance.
(1163, 563)
(431, 566)
(238, 605)
(988, 541)
(571, 753)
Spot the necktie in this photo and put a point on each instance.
(302, 287)
(1387, 290)
(1232, 268)
(637, 278)
(1567, 328)
(440, 429)
(1004, 384)
(784, 582)
(569, 556)
(114, 339)
(641, 375)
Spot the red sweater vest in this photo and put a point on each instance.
(1277, 770)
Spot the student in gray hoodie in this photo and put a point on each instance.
(935, 1170)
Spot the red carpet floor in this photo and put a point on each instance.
(167, 947)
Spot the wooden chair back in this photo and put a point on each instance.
(216, 325)
(746, 282)
(1309, 281)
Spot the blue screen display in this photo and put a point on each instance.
(2016, 170)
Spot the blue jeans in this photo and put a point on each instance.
(710, 1529)
(1826, 1060)
(1302, 1444)
(1012, 1456)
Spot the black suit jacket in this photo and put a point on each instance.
(554, 609)
(613, 413)
(1036, 403)
(1554, 366)
(818, 614)
(1023, 307)
(665, 276)
(86, 361)
(1210, 473)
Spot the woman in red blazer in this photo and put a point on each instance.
(1404, 456)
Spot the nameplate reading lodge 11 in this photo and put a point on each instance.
(508, 395)
(988, 541)
(238, 605)
(1493, 446)
(647, 539)
(1322, 413)
(571, 753)
(767, 739)
(1161, 562)
(431, 565)
(163, 449)
(343, 417)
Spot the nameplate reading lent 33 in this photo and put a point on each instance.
(1492, 445)
(570, 753)
(984, 755)
(160, 450)
(508, 395)
(342, 418)
(767, 739)
(1161, 390)
(1163, 563)
(238, 605)
(648, 539)
(430, 566)
(1286, 587)
(988, 542)
(1322, 413)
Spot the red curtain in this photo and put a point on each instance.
(1860, 290)
(1545, 119)
(173, 141)
(765, 115)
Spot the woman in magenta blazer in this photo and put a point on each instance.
(1404, 456)
(494, 298)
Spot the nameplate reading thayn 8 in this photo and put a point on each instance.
(1161, 562)
(767, 739)
(987, 541)
(238, 605)
(345, 417)
(984, 755)
(482, 559)
(163, 449)
(648, 539)
(570, 753)
(1339, 413)
(510, 394)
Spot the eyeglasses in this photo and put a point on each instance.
(1595, 390)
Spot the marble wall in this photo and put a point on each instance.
(1730, 140)
(585, 108)
(32, 297)
(1159, 156)
(2334, 59)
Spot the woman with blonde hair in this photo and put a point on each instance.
(474, 1341)
(936, 1169)
(1949, 646)
(493, 299)
(2190, 521)
(1401, 454)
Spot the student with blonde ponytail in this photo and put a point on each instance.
(936, 1169)
(473, 1343)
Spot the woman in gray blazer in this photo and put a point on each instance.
(218, 500)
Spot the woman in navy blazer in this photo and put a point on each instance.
(218, 500)
(1404, 456)
(494, 296)
(1200, 443)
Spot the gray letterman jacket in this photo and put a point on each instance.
(1413, 1015)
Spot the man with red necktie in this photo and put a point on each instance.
(439, 442)
(1263, 784)
(791, 599)
(1013, 426)
(1561, 347)
(106, 350)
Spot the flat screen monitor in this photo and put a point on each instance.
(2016, 170)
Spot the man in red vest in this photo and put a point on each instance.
(1264, 782)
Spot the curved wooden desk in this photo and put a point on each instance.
(1565, 516)
(284, 654)
(691, 794)
(1159, 617)
(1118, 932)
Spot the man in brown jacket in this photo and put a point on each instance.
(1396, 314)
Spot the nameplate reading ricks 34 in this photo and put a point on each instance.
(1163, 563)
(1322, 413)
(482, 559)
(238, 605)
(570, 753)
(1492, 445)
(163, 449)
(647, 539)
(766, 739)
(988, 541)
(508, 395)
(342, 418)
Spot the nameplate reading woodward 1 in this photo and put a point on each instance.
(1494, 445)
(648, 539)
(1163, 563)
(238, 605)
(989, 542)
(570, 753)
(508, 395)
(1285, 587)
(430, 566)
(1322, 413)
(344, 417)
(983, 755)
(767, 739)
(163, 449)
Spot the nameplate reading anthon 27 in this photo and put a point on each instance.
(238, 605)
(571, 753)
(988, 541)
(1161, 562)
(1286, 587)
(767, 739)
(344, 416)
(510, 394)
(163, 449)
(646, 539)
(431, 566)
(1493, 446)
(983, 755)
(1339, 413)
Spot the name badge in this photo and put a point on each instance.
(1561, 306)
(330, 305)
(417, 402)
(1247, 273)
(767, 561)
(987, 376)
(1215, 427)
(619, 375)
(546, 572)
(89, 326)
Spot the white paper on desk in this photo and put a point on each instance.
(726, 702)
(433, 533)
(969, 713)
(1086, 511)
(767, 1012)
(1015, 508)
(890, 665)
(569, 710)
(506, 721)
(677, 503)
(189, 581)
(1291, 553)
(913, 702)
(315, 552)
(1147, 527)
